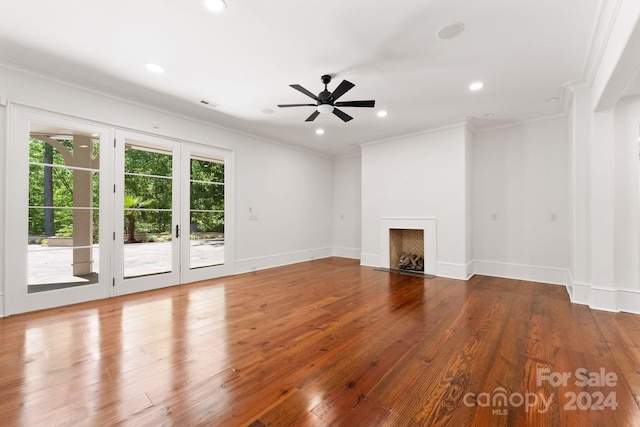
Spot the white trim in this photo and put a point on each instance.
(579, 293)
(370, 260)
(523, 122)
(629, 300)
(453, 270)
(270, 261)
(353, 253)
(438, 128)
(5, 118)
(531, 273)
(602, 298)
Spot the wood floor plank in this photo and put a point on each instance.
(320, 343)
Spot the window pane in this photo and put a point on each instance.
(206, 239)
(54, 186)
(63, 209)
(147, 192)
(149, 161)
(53, 267)
(206, 213)
(147, 248)
(207, 196)
(207, 170)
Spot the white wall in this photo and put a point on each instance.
(3, 132)
(347, 206)
(418, 176)
(292, 194)
(520, 179)
(291, 190)
(627, 194)
(605, 267)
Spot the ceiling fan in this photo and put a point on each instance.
(326, 102)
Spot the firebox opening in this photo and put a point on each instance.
(406, 249)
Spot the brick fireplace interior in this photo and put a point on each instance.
(405, 242)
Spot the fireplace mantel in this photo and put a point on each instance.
(428, 225)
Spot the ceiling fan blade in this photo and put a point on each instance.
(296, 105)
(341, 89)
(344, 116)
(369, 104)
(313, 116)
(305, 91)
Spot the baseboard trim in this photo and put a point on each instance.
(370, 260)
(604, 298)
(453, 270)
(629, 300)
(343, 252)
(531, 273)
(270, 261)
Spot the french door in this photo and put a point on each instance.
(171, 213)
(58, 226)
(96, 212)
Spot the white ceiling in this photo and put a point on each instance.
(244, 59)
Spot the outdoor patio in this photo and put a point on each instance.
(51, 267)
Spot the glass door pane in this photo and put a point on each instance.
(206, 212)
(60, 218)
(147, 196)
(63, 238)
(147, 210)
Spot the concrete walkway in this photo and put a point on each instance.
(52, 265)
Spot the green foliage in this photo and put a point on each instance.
(207, 196)
(62, 183)
(148, 184)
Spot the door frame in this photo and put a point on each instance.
(16, 219)
(122, 285)
(228, 268)
(181, 273)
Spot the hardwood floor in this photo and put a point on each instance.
(323, 343)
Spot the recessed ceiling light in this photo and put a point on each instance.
(155, 68)
(554, 99)
(215, 6)
(320, 131)
(476, 86)
(382, 113)
(450, 31)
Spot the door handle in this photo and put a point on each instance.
(177, 231)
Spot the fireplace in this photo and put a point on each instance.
(406, 249)
(415, 236)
